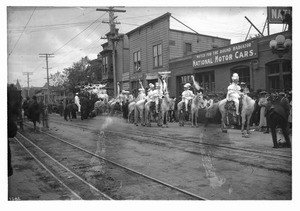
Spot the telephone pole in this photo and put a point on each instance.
(28, 73)
(113, 37)
(47, 55)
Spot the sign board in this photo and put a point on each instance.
(274, 15)
(232, 53)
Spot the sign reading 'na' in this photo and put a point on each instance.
(232, 53)
(274, 13)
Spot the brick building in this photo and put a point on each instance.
(253, 60)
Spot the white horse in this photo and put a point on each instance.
(247, 110)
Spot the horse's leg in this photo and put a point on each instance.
(223, 125)
(243, 122)
(136, 115)
(192, 117)
(248, 123)
(196, 117)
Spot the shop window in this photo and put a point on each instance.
(279, 75)
(207, 81)
(244, 74)
(157, 55)
(137, 61)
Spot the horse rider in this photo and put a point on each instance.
(141, 94)
(244, 88)
(234, 92)
(187, 95)
(150, 95)
(157, 95)
(77, 101)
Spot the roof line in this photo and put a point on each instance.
(150, 22)
(199, 34)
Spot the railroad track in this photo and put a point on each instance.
(188, 140)
(51, 154)
(281, 162)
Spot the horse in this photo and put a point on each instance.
(277, 115)
(248, 105)
(131, 108)
(166, 103)
(139, 112)
(171, 112)
(196, 103)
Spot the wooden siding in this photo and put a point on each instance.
(199, 43)
(143, 41)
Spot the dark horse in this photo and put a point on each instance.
(277, 114)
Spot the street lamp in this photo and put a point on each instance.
(280, 45)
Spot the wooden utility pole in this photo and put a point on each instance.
(113, 37)
(27, 73)
(47, 55)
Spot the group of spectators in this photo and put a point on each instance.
(36, 110)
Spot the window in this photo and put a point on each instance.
(279, 75)
(188, 48)
(206, 80)
(137, 61)
(157, 55)
(104, 63)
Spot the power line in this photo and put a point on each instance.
(79, 33)
(22, 32)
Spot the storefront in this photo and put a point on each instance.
(253, 60)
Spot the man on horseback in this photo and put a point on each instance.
(234, 92)
(187, 95)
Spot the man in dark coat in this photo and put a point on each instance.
(34, 111)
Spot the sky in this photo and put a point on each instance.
(73, 32)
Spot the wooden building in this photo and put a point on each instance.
(154, 44)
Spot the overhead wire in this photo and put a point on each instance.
(22, 32)
(78, 34)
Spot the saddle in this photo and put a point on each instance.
(230, 105)
(189, 106)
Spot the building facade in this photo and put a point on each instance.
(253, 60)
(121, 62)
(154, 44)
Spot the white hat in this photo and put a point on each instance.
(235, 76)
(151, 85)
(140, 89)
(77, 93)
(187, 85)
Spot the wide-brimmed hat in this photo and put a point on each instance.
(125, 92)
(151, 85)
(281, 93)
(140, 89)
(235, 76)
(263, 93)
(243, 83)
(187, 85)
